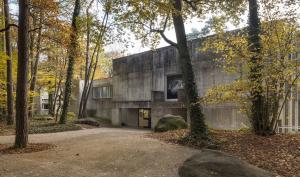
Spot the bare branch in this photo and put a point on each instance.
(162, 33)
(32, 30)
(8, 27)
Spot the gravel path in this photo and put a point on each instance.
(102, 152)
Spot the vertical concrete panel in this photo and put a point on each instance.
(132, 117)
(116, 118)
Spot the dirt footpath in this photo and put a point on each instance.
(103, 152)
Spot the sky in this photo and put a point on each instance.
(192, 24)
(138, 47)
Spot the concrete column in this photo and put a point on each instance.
(116, 118)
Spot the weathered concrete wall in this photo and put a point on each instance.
(132, 78)
(100, 107)
(139, 81)
(226, 115)
(129, 117)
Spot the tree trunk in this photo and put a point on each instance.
(21, 139)
(72, 56)
(35, 67)
(198, 127)
(87, 62)
(90, 85)
(9, 86)
(256, 89)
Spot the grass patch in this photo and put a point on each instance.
(41, 125)
(50, 126)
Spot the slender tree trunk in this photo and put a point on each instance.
(72, 56)
(59, 105)
(198, 127)
(87, 62)
(21, 139)
(35, 67)
(32, 37)
(90, 85)
(90, 68)
(50, 103)
(255, 69)
(9, 86)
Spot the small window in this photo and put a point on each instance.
(102, 92)
(174, 83)
(45, 106)
(96, 93)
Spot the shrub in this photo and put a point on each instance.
(71, 115)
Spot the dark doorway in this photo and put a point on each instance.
(144, 118)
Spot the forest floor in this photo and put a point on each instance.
(99, 152)
(279, 153)
(40, 126)
(49, 125)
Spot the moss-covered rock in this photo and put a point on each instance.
(87, 121)
(170, 122)
(210, 163)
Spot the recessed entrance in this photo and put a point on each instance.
(144, 118)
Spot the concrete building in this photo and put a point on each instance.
(146, 86)
(41, 103)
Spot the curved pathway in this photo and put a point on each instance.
(101, 152)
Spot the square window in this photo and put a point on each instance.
(102, 92)
(174, 83)
(45, 106)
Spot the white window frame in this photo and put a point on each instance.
(166, 87)
(100, 90)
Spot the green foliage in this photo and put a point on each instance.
(3, 59)
(278, 61)
(42, 126)
(71, 115)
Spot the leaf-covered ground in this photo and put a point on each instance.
(279, 153)
(5, 149)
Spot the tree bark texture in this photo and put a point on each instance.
(198, 128)
(9, 80)
(72, 55)
(256, 89)
(21, 139)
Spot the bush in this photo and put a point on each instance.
(52, 128)
(71, 115)
(170, 122)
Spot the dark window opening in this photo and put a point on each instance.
(174, 83)
(45, 106)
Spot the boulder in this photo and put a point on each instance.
(88, 121)
(170, 122)
(210, 163)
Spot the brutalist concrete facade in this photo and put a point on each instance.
(139, 82)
